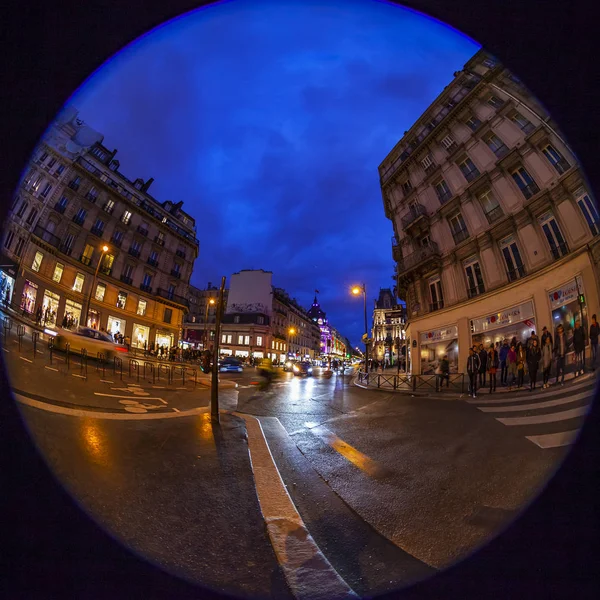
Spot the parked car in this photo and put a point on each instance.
(92, 340)
(230, 365)
(302, 368)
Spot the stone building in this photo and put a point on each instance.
(496, 230)
(388, 327)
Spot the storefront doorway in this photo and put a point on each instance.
(115, 325)
(164, 339)
(140, 336)
(50, 308)
(72, 316)
(28, 297)
(436, 344)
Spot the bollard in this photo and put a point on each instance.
(167, 369)
(68, 355)
(181, 369)
(83, 361)
(101, 362)
(50, 347)
(20, 334)
(136, 367)
(34, 338)
(149, 365)
(118, 363)
(7, 326)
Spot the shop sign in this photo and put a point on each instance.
(439, 335)
(565, 294)
(516, 314)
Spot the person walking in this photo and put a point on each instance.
(560, 351)
(473, 366)
(545, 334)
(492, 362)
(511, 361)
(445, 370)
(38, 315)
(546, 359)
(534, 354)
(503, 356)
(594, 331)
(521, 360)
(579, 347)
(483, 356)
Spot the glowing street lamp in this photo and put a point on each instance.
(210, 302)
(291, 332)
(357, 290)
(89, 297)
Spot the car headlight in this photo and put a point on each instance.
(310, 370)
(296, 368)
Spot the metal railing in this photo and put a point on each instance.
(421, 255)
(529, 190)
(416, 211)
(460, 235)
(494, 214)
(46, 236)
(454, 382)
(516, 273)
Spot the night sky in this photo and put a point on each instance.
(269, 120)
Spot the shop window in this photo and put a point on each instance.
(590, 212)
(554, 236)
(78, 283)
(141, 307)
(474, 278)
(58, 271)
(100, 292)
(37, 261)
(168, 314)
(121, 300)
(512, 258)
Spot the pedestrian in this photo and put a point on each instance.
(530, 339)
(483, 356)
(546, 359)
(546, 334)
(534, 355)
(511, 360)
(38, 315)
(503, 356)
(445, 370)
(560, 351)
(594, 331)
(473, 365)
(521, 360)
(579, 347)
(492, 364)
(128, 342)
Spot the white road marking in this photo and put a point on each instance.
(551, 418)
(5, 350)
(181, 388)
(534, 406)
(158, 387)
(106, 381)
(80, 376)
(129, 397)
(23, 358)
(175, 409)
(553, 440)
(51, 368)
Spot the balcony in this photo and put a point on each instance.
(46, 236)
(74, 185)
(175, 273)
(98, 231)
(173, 297)
(79, 220)
(436, 305)
(91, 197)
(146, 288)
(65, 249)
(153, 262)
(529, 190)
(494, 214)
(86, 260)
(561, 166)
(417, 258)
(516, 273)
(471, 174)
(60, 208)
(414, 214)
(528, 128)
(460, 235)
(142, 230)
(118, 242)
(476, 291)
(126, 279)
(159, 241)
(396, 249)
(180, 253)
(501, 151)
(134, 252)
(444, 196)
(105, 270)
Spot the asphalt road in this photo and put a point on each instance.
(391, 487)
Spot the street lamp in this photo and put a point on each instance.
(291, 332)
(210, 302)
(356, 290)
(89, 297)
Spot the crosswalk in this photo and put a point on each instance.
(550, 418)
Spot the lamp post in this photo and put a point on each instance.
(214, 384)
(356, 290)
(89, 296)
(209, 303)
(291, 332)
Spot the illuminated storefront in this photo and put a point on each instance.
(93, 319)
(8, 273)
(140, 336)
(437, 343)
(164, 338)
(115, 325)
(73, 311)
(28, 297)
(515, 322)
(566, 309)
(50, 307)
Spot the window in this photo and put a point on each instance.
(60, 169)
(259, 340)
(458, 228)
(448, 142)
(468, 169)
(407, 186)
(128, 270)
(160, 236)
(9, 239)
(443, 191)
(473, 123)
(58, 271)
(43, 157)
(260, 320)
(62, 203)
(168, 315)
(436, 296)
(117, 236)
(425, 241)
(78, 283)
(521, 122)
(22, 209)
(240, 340)
(556, 159)
(554, 236)
(109, 206)
(32, 215)
(100, 291)
(80, 216)
(229, 339)
(490, 63)
(171, 290)
(126, 217)
(495, 102)
(37, 261)
(121, 299)
(512, 258)
(525, 182)
(51, 163)
(428, 163)
(246, 340)
(236, 319)
(98, 226)
(88, 252)
(496, 145)
(107, 263)
(68, 243)
(474, 277)
(147, 280)
(177, 267)
(141, 307)
(46, 190)
(490, 206)
(223, 339)
(19, 246)
(590, 212)
(154, 256)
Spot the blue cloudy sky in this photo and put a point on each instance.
(269, 120)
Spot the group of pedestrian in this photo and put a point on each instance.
(69, 321)
(44, 315)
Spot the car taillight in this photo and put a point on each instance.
(120, 349)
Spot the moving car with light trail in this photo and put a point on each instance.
(91, 340)
(303, 368)
(230, 365)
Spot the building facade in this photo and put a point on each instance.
(496, 230)
(388, 327)
(199, 322)
(332, 343)
(87, 240)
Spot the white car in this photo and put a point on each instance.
(92, 340)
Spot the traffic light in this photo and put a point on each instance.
(581, 299)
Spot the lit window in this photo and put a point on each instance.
(37, 261)
(121, 299)
(259, 340)
(229, 339)
(141, 308)
(100, 291)
(247, 340)
(78, 284)
(126, 217)
(58, 271)
(223, 339)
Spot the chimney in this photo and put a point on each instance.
(209, 285)
(147, 185)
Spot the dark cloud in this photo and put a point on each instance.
(269, 119)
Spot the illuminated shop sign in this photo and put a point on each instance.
(439, 335)
(565, 294)
(516, 314)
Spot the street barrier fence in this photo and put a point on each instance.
(410, 382)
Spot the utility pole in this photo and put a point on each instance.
(581, 300)
(214, 386)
